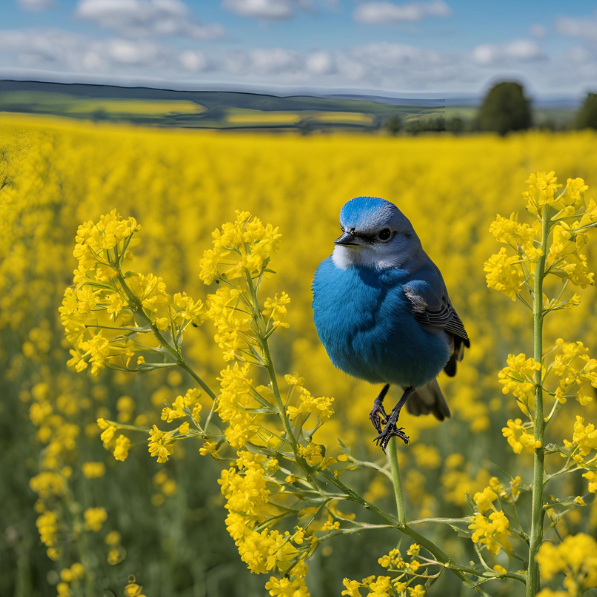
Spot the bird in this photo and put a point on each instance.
(383, 313)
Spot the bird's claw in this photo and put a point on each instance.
(378, 416)
(390, 431)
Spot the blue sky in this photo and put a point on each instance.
(397, 46)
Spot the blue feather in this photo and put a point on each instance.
(366, 323)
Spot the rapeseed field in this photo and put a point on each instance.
(171, 424)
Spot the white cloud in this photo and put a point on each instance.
(320, 63)
(579, 54)
(193, 61)
(583, 28)
(147, 18)
(383, 13)
(35, 5)
(538, 30)
(271, 10)
(66, 51)
(521, 50)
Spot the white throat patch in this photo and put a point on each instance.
(345, 257)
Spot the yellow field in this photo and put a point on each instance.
(241, 116)
(165, 522)
(68, 104)
(347, 117)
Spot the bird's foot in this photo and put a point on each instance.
(390, 431)
(378, 416)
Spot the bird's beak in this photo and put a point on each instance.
(346, 239)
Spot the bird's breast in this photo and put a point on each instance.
(365, 322)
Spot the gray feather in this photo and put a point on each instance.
(428, 399)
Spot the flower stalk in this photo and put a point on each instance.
(538, 513)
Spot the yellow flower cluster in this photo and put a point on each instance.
(244, 245)
(52, 173)
(381, 586)
(576, 558)
(518, 378)
(520, 237)
(584, 439)
(95, 518)
(106, 309)
(572, 376)
(321, 406)
(133, 589)
(244, 486)
(234, 404)
(518, 437)
(492, 531)
(183, 406)
(504, 273)
(508, 274)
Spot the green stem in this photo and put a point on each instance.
(269, 365)
(400, 523)
(393, 457)
(536, 536)
(137, 308)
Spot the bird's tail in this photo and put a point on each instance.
(428, 399)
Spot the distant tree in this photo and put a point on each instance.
(586, 117)
(394, 124)
(456, 125)
(428, 124)
(436, 124)
(505, 109)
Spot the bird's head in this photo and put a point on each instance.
(375, 233)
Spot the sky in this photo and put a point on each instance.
(424, 47)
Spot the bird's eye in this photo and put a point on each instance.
(385, 234)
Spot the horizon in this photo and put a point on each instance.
(571, 100)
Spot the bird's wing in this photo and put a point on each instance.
(432, 308)
(436, 314)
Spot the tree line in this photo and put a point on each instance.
(505, 108)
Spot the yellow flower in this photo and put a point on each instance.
(209, 448)
(121, 449)
(93, 470)
(584, 439)
(492, 531)
(592, 478)
(276, 310)
(393, 560)
(94, 518)
(381, 587)
(541, 191)
(47, 526)
(236, 396)
(351, 588)
(484, 499)
(132, 589)
(287, 588)
(312, 454)
(504, 273)
(518, 438)
(160, 445)
(518, 378)
(575, 556)
(320, 406)
(518, 236)
(244, 244)
(112, 538)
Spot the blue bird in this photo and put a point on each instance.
(383, 313)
